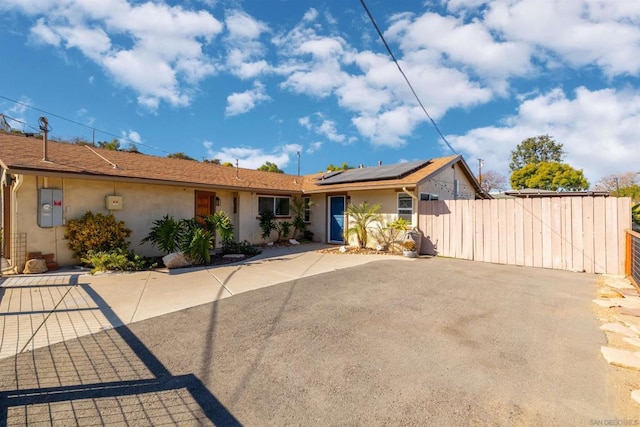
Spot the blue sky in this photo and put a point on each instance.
(263, 80)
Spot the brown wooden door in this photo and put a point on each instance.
(205, 204)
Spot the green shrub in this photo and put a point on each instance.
(267, 224)
(196, 242)
(245, 248)
(166, 234)
(221, 223)
(284, 229)
(96, 233)
(117, 260)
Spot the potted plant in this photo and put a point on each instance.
(409, 249)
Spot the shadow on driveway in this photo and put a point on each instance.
(105, 378)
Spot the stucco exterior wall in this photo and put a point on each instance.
(142, 204)
(443, 184)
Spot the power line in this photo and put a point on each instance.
(373, 21)
(79, 124)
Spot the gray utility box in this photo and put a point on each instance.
(50, 207)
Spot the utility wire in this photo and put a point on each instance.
(373, 21)
(80, 124)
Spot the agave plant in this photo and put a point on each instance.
(362, 216)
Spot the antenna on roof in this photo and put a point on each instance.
(237, 167)
(45, 128)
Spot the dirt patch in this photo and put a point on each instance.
(352, 250)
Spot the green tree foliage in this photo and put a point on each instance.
(228, 164)
(180, 155)
(114, 144)
(632, 191)
(553, 176)
(541, 148)
(361, 217)
(96, 233)
(344, 166)
(212, 161)
(270, 167)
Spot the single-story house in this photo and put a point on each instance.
(45, 183)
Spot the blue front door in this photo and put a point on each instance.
(336, 219)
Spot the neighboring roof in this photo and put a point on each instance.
(20, 154)
(534, 192)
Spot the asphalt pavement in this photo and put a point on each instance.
(432, 341)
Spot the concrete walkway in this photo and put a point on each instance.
(41, 310)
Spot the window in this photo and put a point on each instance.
(405, 207)
(277, 205)
(307, 209)
(427, 196)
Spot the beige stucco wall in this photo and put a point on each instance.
(142, 204)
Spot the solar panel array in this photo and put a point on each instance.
(375, 173)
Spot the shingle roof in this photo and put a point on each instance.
(311, 183)
(20, 154)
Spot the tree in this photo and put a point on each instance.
(492, 180)
(228, 164)
(615, 182)
(541, 148)
(362, 216)
(180, 155)
(553, 176)
(114, 144)
(270, 167)
(343, 167)
(212, 161)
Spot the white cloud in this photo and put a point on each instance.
(253, 158)
(598, 129)
(313, 147)
(132, 136)
(580, 32)
(243, 102)
(245, 52)
(153, 48)
(320, 125)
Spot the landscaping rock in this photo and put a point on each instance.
(175, 260)
(35, 266)
(629, 311)
(630, 322)
(609, 293)
(622, 358)
(234, 256)
(633, 341)
(618, 283)
(618, 329)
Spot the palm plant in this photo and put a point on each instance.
(362, 216)
(166, 234)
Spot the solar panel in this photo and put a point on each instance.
(375, 173)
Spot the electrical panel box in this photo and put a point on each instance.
(113, 203)
(50, 207)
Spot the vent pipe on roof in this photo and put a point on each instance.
(237, 177)
(379, 162)
(44, 127)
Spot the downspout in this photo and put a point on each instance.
(19, 179)
(417, 227)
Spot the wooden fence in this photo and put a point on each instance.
(568, 233)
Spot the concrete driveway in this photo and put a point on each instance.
(434, 341)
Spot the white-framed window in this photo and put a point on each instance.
(405, 207)
(307, 209)
(277, 204)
